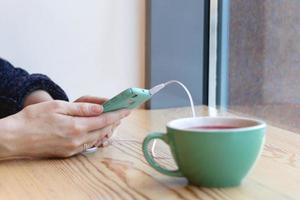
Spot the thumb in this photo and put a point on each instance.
(80, 109)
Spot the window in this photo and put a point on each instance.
(177, 48)
(264, 61)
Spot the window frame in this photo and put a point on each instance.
(219, 53)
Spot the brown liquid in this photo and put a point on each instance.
(213, 127)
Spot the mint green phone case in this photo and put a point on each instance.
(130, 98)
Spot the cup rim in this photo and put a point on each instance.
(259, 124)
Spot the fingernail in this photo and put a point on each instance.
(97, 109)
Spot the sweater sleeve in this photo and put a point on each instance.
(16, 84)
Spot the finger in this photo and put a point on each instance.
(99, 143)
(117, 124)
(110, 134)
(113, 129)
(92, 138)
(95, 136)
(92, 99)
(104, 142)
(94, 123)
(78, 109)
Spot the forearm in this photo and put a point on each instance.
(16, 85)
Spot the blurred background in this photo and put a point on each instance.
(238, 55)
(87, 47)
(264, 61)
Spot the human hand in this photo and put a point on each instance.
(92, 99)
(57, 128)
(37, 96)
(112, 128)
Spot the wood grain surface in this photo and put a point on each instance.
(119, 171)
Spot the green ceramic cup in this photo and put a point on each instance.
(211, 151)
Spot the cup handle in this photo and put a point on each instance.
(150, 159)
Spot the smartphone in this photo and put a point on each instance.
(130, 98)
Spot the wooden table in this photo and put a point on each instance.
(119, 171)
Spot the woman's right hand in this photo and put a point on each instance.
(55, 129)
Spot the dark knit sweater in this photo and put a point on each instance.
(16, 84)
